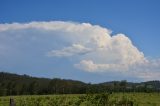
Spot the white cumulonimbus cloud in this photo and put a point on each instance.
(92, 46)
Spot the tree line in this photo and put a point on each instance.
(13, 84)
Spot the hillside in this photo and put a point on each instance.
(14, 84)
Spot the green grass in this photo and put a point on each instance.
(140, 99)
(115, 99)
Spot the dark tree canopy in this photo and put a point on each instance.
(13, 84)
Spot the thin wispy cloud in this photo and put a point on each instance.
(75, 49)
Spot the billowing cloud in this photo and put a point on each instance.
(92, 47)
(88, 65)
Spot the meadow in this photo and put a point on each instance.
(114, 99)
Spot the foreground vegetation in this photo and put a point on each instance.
(114, 99)
(61, 92)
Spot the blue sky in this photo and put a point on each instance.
(137, 19)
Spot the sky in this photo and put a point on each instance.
(87, 40)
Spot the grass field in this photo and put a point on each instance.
(115, 99)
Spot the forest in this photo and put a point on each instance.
(14, 84)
